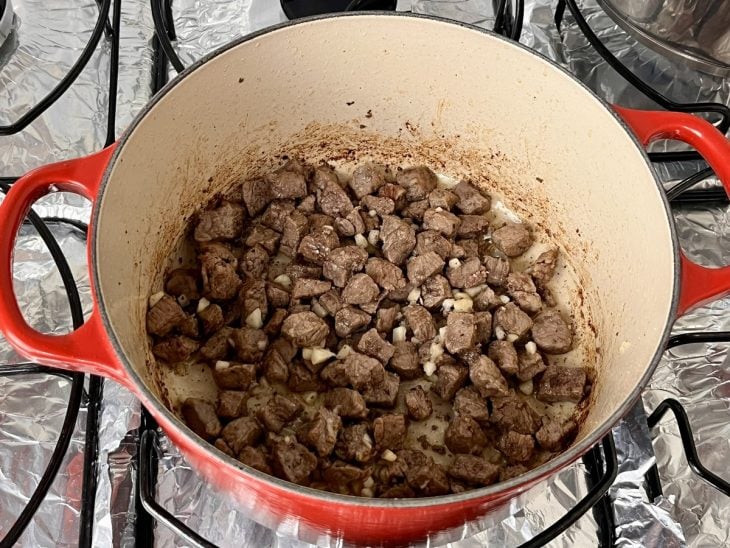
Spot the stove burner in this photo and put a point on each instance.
(294, 9)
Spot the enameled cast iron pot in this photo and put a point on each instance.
(403, 90)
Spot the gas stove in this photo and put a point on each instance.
(82, 464)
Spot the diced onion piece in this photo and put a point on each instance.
(203, 303)
(367, 440)
(499, 333)
(504, 298)
(283, 280)
(463, 305)
(369, 483)
(437, 350)
(287, 439)
(474, 291)
(429, 368)
(373, 213)
(442, 333)
(221, 365)
(309, 397)
(439, 209)
(447, 306)
(373, 237)
(367, 492)
(399, 334)
(361, 241)
(414, 295)
(531, 347)
(344, 352)
(461, 295)
(511, 337)
(307, 354)
(454, 263)
(156, 298)
(254, 319)
(320, 355)
(318, 309)
(261, 345)
(526, 387)
(389, 456)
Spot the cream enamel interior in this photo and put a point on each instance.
(402, 90)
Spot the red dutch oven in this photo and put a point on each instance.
(403, 90)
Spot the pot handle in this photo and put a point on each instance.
(86, 349)
(699, 284)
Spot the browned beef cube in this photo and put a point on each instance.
(176, 348)
(276, 368)
(435, 291)
(287, 184)
(183, 282)
(216, 348)
(331, 301)
(362, 371)
(265, 237)
(430, 240)
(342, 263)
(450, 379)
(296, 271)
(560, 383)
(341, 474)
(443, 198)
(483, 321)
(486, 299)
(399, 239)
(464, 435)
(398, 492)
(415, 210)
(305, 288)
(472, 226)
(420, 322)
(512, 239)
(372, 344)
(200, 416)
(301, 379)
(551, 332)
(385, 274)
(234, 376)
(231, 404)
(332, 198)
(423, 474)
(305, 329)
(366, 179)
(240, 433)
(318, 221)
(474, 470)
(321, 432)
(400, 295)
(255, 262)
(252, 297)
(509, 472)
(316, 246)
(460, 333)
(219, 249)
(497, 270)
(278, 412)
(389, 431)
(295, 227)
(386, 319)
(443, 221)
(276, 214)
(211, 318)
(308, 204)
(255, 458)
(512, 320)
(355, 444)
(516, 447)
(221, 445)
(470, 248)
(361, 289)
(505, 356)
(256, 196)
(510, 413)
(350, 225)
(405, 360)
(223, 223)
(277, 295)
(346, 403)
(292, 461)
(423, 266)
(522, 290)
(543, 269)
(469, 403)
(349, 319)
(466, 274)
(164, 316)
(396, 193)
(249, 343)
(487, 377)
(418, 182)
(378, 204)
(471, 201)
(220, 280)
(530, 365)
(383, 393)
(553, 435)
(418, 403)
(273, 326)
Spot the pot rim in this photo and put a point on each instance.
(523, 481)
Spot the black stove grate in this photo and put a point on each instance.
(600, 461)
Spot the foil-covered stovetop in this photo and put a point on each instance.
(48, 37)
